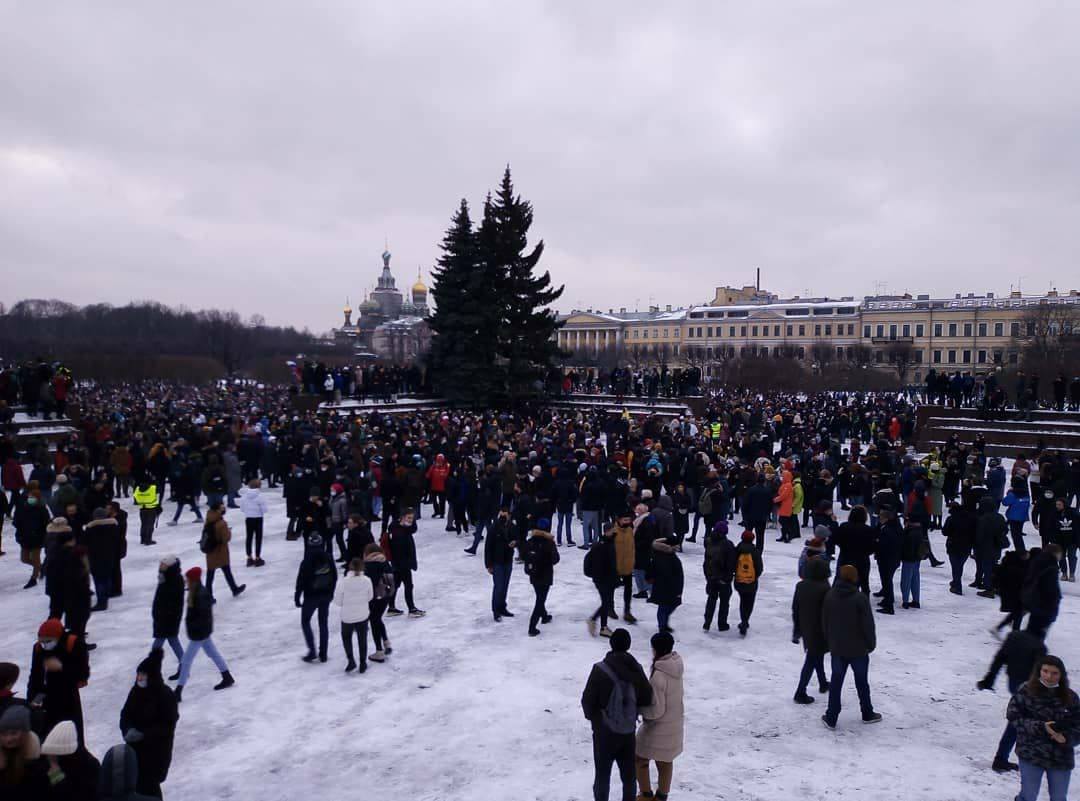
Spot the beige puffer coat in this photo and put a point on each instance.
(660, 736)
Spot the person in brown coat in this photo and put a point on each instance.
(215, 544)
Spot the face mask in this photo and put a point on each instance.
(48, 645)
(1053, 686)
(32, 501)
(141, 682)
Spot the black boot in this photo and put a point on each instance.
(178, 693)
(226, 681)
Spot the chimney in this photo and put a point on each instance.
(757, 283)
(622, 310)
(610, 311)
(990, 295)
(669, 307)
(957, 296)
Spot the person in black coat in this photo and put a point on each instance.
(499, 550)
(851, 637)
(888, 556)
(315, 583)
(403, 557)
(59, 667)
(121, 517)
(1018, 655)
(719, 568)
(1041, 594)
(199, 620)
(102, 546)
(148, 724)
(646, 532)
(30, 519)
(855, 542)
(541, 556)
(1009, 584)
(120, 775)
(991, 536)
(806, 607)
(748, 569)
(756, 506)
(600, 566)
(358, 537)
(168, 608)
(959, 531)
(665, 578)
(564, 493)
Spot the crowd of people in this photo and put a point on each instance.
(530, 486)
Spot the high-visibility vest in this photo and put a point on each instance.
(147, 498)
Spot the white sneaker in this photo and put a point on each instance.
(592, 626)
(605, 632)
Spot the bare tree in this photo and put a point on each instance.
(1050, 335)
(901, 356)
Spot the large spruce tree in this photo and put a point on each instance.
(463, 349)
(526, 345)
(492, 330)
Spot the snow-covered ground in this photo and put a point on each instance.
(470, 709)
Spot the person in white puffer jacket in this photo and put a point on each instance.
(353, 596)
(253, 507)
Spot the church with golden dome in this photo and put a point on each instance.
(388, 326)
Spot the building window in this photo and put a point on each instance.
(866, 332)
(919, 330)
(918, 357)
(690, 333)
(881, 331)
(802, 330)
(1014, 357)
(776, 331)
(802, 353)
(637, 332)
(665, 333)
(998, 356)
(828, 330)
(968, 329)
(731, 330)
(789, 330)
(645, 333)
(753, 330)
(952, 357)
(967, 357)
(952, 329)
(879, 356)
(999, 329)
(937, 357)
(937, 329)
(906, 330)
(817, 330)
(982, 329)
(656, 333)
(1014, 330)
(676, 349)
(677, 333)
(742, 330)
(839, 353)
(982, 357)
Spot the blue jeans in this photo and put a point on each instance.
(590, 527)
(639, 580)
(174, 643)
(1057, 782)
(180, 507)
(565, 518)
(478, 532)
(860, 668)
(1008, 737)
(192, 651)
(213, 499)
(500, 586)
(663, 616)
(909, 581)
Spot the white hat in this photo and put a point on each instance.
(62, 740)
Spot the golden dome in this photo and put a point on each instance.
(419, 285)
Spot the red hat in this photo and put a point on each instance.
(748, 535)
(338, 488)
(51, 629)
(194, 573)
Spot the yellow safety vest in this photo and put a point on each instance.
(146, 499)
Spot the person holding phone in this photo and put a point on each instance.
(1046, 714)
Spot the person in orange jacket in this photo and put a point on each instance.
(789, 524)
(436, 476)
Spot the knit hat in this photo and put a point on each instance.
(620, 640)
(100, 514)
(51, 629)
(721, 528)
(314, 541)
(194, 573)
(151, 666)
(63, 740)
(58, 525)
(748, 536)
(170, 559)
(337, 489)
(15, 718)
(822, 532)
(9, 673)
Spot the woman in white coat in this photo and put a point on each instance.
(660, 737)
(353, 596)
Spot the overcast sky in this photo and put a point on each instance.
(254, 155)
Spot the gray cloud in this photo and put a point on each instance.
(255, 155)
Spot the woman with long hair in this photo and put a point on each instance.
(353, 597)
(1045, 713)
(660, 736)
(200, 627)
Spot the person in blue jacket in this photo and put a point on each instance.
(1017, 507)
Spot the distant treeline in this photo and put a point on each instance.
(145, 339)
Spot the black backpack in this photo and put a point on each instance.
(208, 541)
(322, 579)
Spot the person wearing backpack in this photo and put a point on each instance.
(214, 542)
(200, 628)
(719, 568)
(660, 736)
(600, 566)
(614, 693)
(748, 569)
(499, 550)
(541, 556)
(354, 595)
(315, 583)
(59, 668)
(381, 574)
